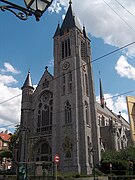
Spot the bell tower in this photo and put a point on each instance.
(75, 132)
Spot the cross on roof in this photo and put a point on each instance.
(46, 68)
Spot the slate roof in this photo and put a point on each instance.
(110, 113)
(69, 22)
(28, 81)
(105, 110)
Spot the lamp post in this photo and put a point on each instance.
(33, 7)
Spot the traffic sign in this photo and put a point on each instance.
(56, 158)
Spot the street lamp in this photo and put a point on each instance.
(33, 7)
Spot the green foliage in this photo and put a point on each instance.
(5, 154)
(118, 159)
(14, 138)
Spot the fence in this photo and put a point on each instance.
(35, 170)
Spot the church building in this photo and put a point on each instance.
(61, 116)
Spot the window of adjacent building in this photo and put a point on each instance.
(68, 113)
(65, 48)
(83, 50)
(5, 144)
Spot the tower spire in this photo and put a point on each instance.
(70, 2)
(28, 81)
(70, 21)
(84, 32)
(101, 93)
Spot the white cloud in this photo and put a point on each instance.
(9, 68)
(10, 99)
(124, 69)
(9, 110)
(7, 80)
(117, 104)
(51, 63)
(55, 7)
(115, 28)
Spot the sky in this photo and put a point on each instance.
(24, 45)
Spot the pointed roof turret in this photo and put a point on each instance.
(101, 94)
(28, 82)
(57, 32)
(84, 32)
(70, 20)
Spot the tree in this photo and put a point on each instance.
(120, 160)
(5, 154)
(14, 138)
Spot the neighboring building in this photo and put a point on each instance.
(131, 113)
(4, 145)
(114, 129)
(4, 140)
(60, 116)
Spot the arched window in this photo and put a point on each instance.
(87, 113)
(65, 48)
(68, 113)
(45, 109)
(45, 116)
(63, 79)
(45, 149)
(70, 82)
(67, 147)
(44, 152)
(63, 90)
(86, 84)
(83, 50)
(63, 84)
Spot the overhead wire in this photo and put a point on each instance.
(125, 8)
(84, 105)
(10, 99)
(120, 16)
(96, 59)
